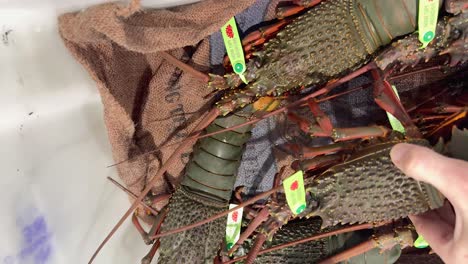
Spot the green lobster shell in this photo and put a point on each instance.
(204, 191)
(314, 251)
(325, 43)
(368, 187)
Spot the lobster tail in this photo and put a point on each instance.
(196, 245)
(205, 190)
(211, 174)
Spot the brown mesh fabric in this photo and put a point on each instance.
(147, 101)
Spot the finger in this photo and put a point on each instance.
(460, 236)
(446, 213)
(449, 176)
(435, 231)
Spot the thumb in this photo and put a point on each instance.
(449, 176)
(438, 233)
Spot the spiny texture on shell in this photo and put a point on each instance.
(370, 188)
(314, 251)
(309, 252)
(318, 46)
(197, 245)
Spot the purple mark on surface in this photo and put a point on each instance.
(36, 239)
(36, 246)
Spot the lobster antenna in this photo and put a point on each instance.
(210, 117)
(132, 195)
(324, 90)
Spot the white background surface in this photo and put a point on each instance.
(55, 200)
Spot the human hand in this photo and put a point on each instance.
(446, 231)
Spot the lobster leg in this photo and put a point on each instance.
(269, 227)
(315, 163)
(149, 257)
(259, 218)
(386, 241)
(147, 236)
(386, 98)
(297, 7)
(314, 237)
(140, 229)
(442, 109)
(259, 36)
(325, 127)
(448, 122)
(324, 122)
(311, 158)
(157, 221)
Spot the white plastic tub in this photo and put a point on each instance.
(56, 203)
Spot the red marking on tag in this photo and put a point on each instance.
(229, 31)
(294, 186)
(234, 216)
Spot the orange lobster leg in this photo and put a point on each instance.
(315, 163)
(448, 122)
(147, 236)
(260, 216)
(386, 98)
(322, 119)
(297, 7)
(341, 134)
(443, 109)
(402, 236)
(257, 38)
(325, 127)
(260, 36)
(263, 32)
(254, 224)
(140, 229)
(149, 257)
(312, 152)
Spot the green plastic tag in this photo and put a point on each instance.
(234, 47)
(420, 242)
(295, 192)
(427, 20)
(233, 226)
(394, 122)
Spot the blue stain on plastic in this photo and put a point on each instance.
(36, 238)
(36, 246)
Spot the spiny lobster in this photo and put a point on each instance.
(304, 53)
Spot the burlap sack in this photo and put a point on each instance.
(147, 101)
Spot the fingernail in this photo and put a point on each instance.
(399, 152)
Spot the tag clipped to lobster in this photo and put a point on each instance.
(427, 20)
(394, 122)
(420, 242)
(295, 192)
(233, 226)
(234, 47)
